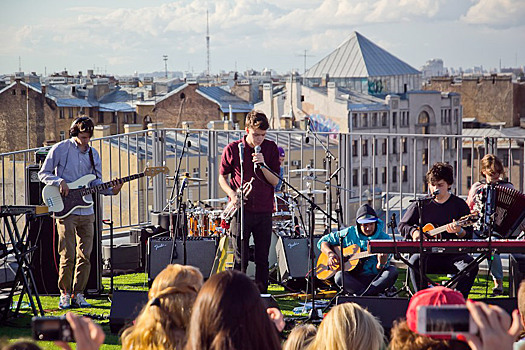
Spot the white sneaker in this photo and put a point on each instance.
(65, 301)
(80, 301)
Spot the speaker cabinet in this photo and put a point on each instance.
(42, 234)
(387, 310)
(200, 252)
(293, 256)
(125, 307)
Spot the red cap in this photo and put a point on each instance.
(431, 296)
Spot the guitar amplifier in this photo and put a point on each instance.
(200, 252)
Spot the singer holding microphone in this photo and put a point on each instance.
(247, 159)
(442, 208)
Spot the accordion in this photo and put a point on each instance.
(509, 210)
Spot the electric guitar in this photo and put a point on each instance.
(78, 191)
(466, 220)
(351, 256)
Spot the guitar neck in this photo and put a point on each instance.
(357, 256)
(437, 230)
(106, 185)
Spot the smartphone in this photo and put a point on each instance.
(445, 320)
(51, 328)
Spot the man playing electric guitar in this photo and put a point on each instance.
(66, 162)
(443, 210)
(364, 279)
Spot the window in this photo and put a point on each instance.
(61, 113)
(425, 157)
(374, 119)
(404, 171)
(23, 92)
(469, 181)
(383, 119)
(70, 115)
(383, 175)
(404, 145)
(383, 147)
(355, 177)
(394, 117)
(394, 145)
(376, 146)
(62, 135)
(114, 117)
(446, 143)
(376, 176)
(365, 176)
(469, 162)
(101, 117)
(354, 120)
(354, 148)
(365, 148)
(394, 174)
(13, 92)
(364, 120)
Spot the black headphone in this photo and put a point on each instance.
(81, 124)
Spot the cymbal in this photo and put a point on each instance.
(308, 170)
(313, 191)
(198, 179)
(216, 200)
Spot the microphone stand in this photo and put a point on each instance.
(175, 189)
(419, 203)
(240, 217)
(392, 225)
(313, 317)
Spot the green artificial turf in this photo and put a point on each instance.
(20, 327)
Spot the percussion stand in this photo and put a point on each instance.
(313, 317)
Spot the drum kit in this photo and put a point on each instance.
(287, 206)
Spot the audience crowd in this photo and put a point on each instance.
(227, 312)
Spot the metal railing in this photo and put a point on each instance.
(382, 169)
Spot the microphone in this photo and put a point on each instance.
(241, 152)
(256, 150)
(427, 197)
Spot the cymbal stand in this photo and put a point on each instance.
(329, 157)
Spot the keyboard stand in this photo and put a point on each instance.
(24, 275)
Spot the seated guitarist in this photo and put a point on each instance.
(443, 210)
(364, 279)
(68, 161)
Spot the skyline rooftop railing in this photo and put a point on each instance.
(383, 169)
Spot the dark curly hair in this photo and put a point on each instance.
(440, 171)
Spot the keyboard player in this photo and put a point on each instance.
(443, 210)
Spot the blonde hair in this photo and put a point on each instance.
(349, 327)
(300, 337)
(163, 321)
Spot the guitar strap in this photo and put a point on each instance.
(92, 160)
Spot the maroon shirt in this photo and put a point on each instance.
(260, 199)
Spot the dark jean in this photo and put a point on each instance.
(357, 283)
(260, 226)
(445, 263)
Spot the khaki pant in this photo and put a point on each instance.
(75, 239)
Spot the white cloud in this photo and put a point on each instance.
(496, 13)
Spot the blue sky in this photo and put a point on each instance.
(127, 36)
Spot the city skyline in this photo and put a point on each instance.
(122, 37)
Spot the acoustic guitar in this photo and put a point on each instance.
(78, 190)
(466, 220)
(351, 256)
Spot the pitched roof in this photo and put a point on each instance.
(358, 57)
(224, 99)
